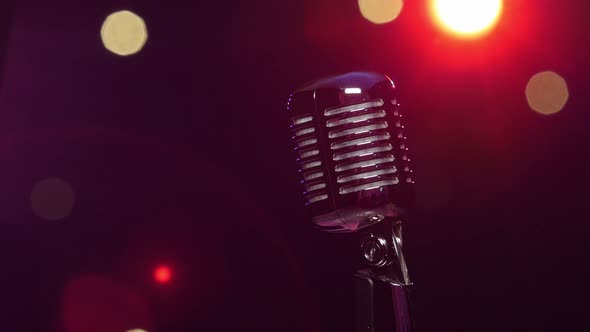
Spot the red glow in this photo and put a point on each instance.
(162, 274)
(95, 303)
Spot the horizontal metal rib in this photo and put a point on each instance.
(302, 120)
(311, 176)
(311, 164)
(313, 187)
(306, 142)
(366, 163)
(367, 186)
(366, 175)
(354, 119)
(359, 141)
(353, 108)
(305, 131)
(310, 153)
(357, 130)
(317, 198)
(362, 152)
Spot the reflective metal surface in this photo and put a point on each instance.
(375, 251)
(351, 150)
(355, 169)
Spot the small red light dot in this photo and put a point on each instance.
(162, 274)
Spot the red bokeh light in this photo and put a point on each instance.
(163, 274)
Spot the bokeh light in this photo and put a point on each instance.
(380, 11)
(466, 18)
(136, 330)
(97, 303)
(52, 199)
(162, 274)
(124, 33)
(547, 92)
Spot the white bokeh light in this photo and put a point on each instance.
(124, 33)
(547, 92)
(380, 11)
(466, 18)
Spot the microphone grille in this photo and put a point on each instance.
(305, 138)
(361, 145)
(351, 150)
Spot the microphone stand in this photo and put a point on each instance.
(382, 286)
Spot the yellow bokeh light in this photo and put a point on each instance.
(124, 33)
(137, 330)
(466, 18)
(52, 199)
(547, 92)
(380, 11)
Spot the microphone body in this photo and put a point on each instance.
(352, 155)
(351, 150)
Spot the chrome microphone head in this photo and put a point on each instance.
(351, 149)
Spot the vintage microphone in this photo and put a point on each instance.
(353, 159)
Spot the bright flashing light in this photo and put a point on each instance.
(163, 274)
(351, 91)
(466, 18)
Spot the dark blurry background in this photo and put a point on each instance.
(179, 155)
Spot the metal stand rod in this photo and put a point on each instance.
(382, 288)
